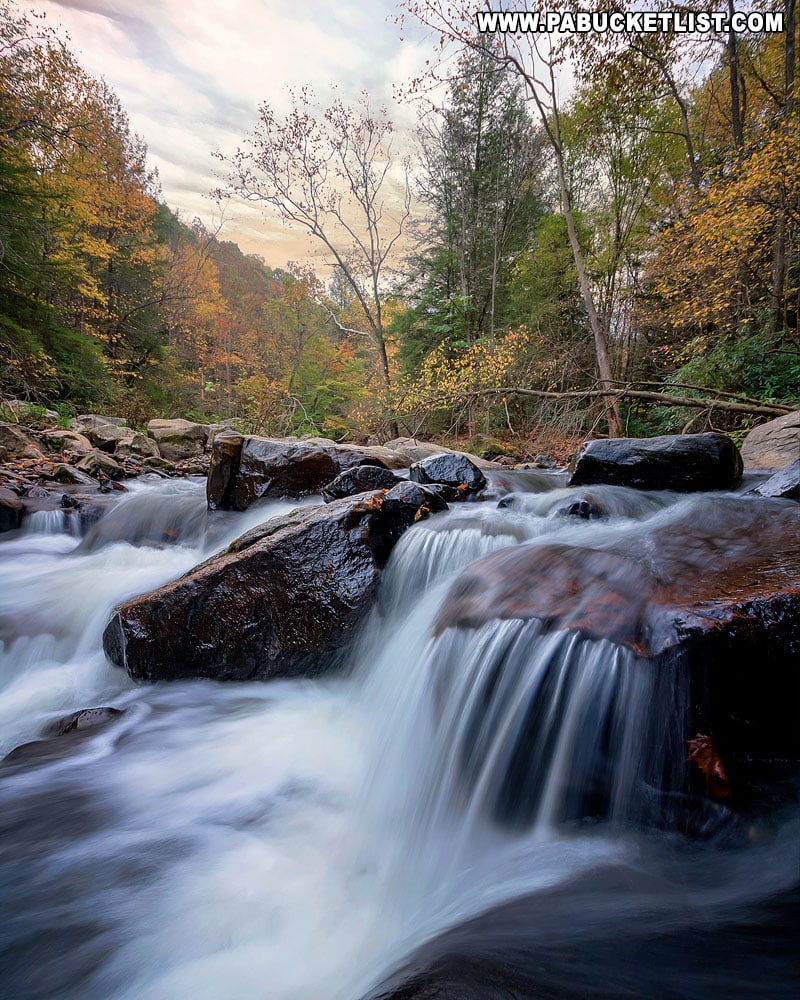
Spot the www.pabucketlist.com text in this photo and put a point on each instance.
(641, 21)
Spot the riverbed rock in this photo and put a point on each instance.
(724, 604)
(783, 485)
(178, 439)
(98, 464)
(774, 445)
(133, 443)
(279, 602)
(454, 470)
(245, 468)
(14, 439)
(681, 462)
(87, 421)
(361, 479)
(106, 437)
(11, 510)
(62, 440)
(417, 451)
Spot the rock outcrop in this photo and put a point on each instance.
(280, 602)
(681, 462)
(774, 445)
(783, 485)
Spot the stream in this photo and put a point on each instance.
(377, 833)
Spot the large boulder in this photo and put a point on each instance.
(134, 443)
(774, 445)
(279, 602)
(100, 465)
(682, 462)
(178, 439)
(723, 603)
(246, 468)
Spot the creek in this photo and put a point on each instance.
(485, 806)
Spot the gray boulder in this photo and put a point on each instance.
(774, 445)
(784, 485)
(178, 439)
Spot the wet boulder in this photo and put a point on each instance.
(451, 470)
(246, 468)
(773, 445)
(713, 593)
(681, 462)
(409, 502)
(585, 508)
(178, 439)
(783, 485)
(416, 451)
(281, 601)
(361, 479)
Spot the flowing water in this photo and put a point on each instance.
(299, 840)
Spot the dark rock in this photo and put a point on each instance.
(449, 470)
(240, 475)
(279, 602)
(682, 462)
(361, 479)
(11, 510)
(410, 502)
(783, 485)
(587, 508)
(774, 445)
(725, 603)
(226, 450)
(85, 719)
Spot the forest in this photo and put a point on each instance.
(531, 265)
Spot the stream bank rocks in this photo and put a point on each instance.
(280, 602)
(681, 462)
(246, 468)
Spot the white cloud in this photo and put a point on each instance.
(191, 74)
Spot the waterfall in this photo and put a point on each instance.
(303, 839)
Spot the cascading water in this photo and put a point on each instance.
(296, 840)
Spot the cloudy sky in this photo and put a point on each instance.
(191, 74)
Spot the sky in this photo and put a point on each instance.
(192, 73)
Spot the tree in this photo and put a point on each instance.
(536, 60)
(332, 173)
(481, 161)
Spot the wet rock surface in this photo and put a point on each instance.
(247, 468)
(455, 471)
(783, 485)
(359, 480)
(681, 462)
(728, 609)
(279, 602)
